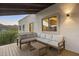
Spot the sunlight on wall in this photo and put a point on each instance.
(68, 21)
(69, 26)
(68, 8)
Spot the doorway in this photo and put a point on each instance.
(31, 27)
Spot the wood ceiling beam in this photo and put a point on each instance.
(27, 5)
(13, 9)
(22, 8)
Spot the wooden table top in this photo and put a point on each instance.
(38, 45)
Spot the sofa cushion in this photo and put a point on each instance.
(28, 40)
(53, 43)
(28, 35)
(57, 38)
(23, 36)
(49, 36)
(32, 35)
(43, 40)
(38, 34)
(42, 35)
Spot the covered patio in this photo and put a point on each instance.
(13, 50)
(42, 20)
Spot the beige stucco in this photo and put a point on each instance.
(68, 26)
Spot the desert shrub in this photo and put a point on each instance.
(8, 36)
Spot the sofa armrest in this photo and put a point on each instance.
(61, 44)
(18, 40)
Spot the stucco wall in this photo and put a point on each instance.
(69, 26)
(26, 20)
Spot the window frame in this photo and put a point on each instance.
(58, 23)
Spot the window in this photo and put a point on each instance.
(23, 27)
(19, 27)
(31, 27)
(45, 25)
(49, 24)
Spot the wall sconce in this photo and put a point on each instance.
(67, 15)
(68, 19)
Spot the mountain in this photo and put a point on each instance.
(6, 27)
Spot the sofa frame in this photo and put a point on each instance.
(59, 48)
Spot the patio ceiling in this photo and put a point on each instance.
(22, 8)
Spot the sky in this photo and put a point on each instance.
(11, 20)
